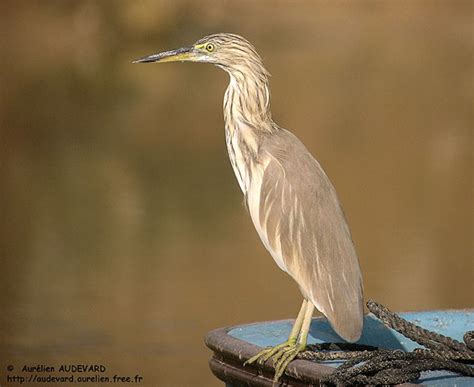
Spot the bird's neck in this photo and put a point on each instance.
(247, 101)
(247, 120)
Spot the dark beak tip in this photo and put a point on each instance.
(162, 55)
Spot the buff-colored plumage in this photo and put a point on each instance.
(293, 205)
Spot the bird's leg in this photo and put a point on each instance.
(264, 355)
(284, 353)
(289, 353)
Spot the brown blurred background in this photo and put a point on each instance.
(123, 238)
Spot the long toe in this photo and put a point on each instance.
(266, 354)
(283, 362)
(259, 356)
(281, 356)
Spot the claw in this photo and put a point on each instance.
(286, 359)
(267, 353)
(282, 355)
(259, 357)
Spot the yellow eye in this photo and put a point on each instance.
(209, 47)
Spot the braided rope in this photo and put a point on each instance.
(366, 364)
(415, 333)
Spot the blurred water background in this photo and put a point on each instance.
(123, 238)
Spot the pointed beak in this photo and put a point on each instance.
(180, 54)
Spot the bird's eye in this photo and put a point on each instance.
(209, 47)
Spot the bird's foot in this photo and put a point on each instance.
(281, 355)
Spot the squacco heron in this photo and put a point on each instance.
(291, 201)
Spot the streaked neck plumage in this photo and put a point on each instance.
(247, 118)
(247, 97)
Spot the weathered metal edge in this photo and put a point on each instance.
(228, 366)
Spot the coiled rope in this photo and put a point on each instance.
(370, 365)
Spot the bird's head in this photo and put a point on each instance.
(228, 51)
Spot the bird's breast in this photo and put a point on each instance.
(254, 204)
(249, 165)
(242, 147)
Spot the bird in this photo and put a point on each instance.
(292, 203)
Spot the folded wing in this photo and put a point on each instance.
(302, 224)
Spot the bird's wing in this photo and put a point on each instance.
(302, 221)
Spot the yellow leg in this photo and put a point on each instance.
(295, 331)
(264, 355)
(288, 354)
(284, 353)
